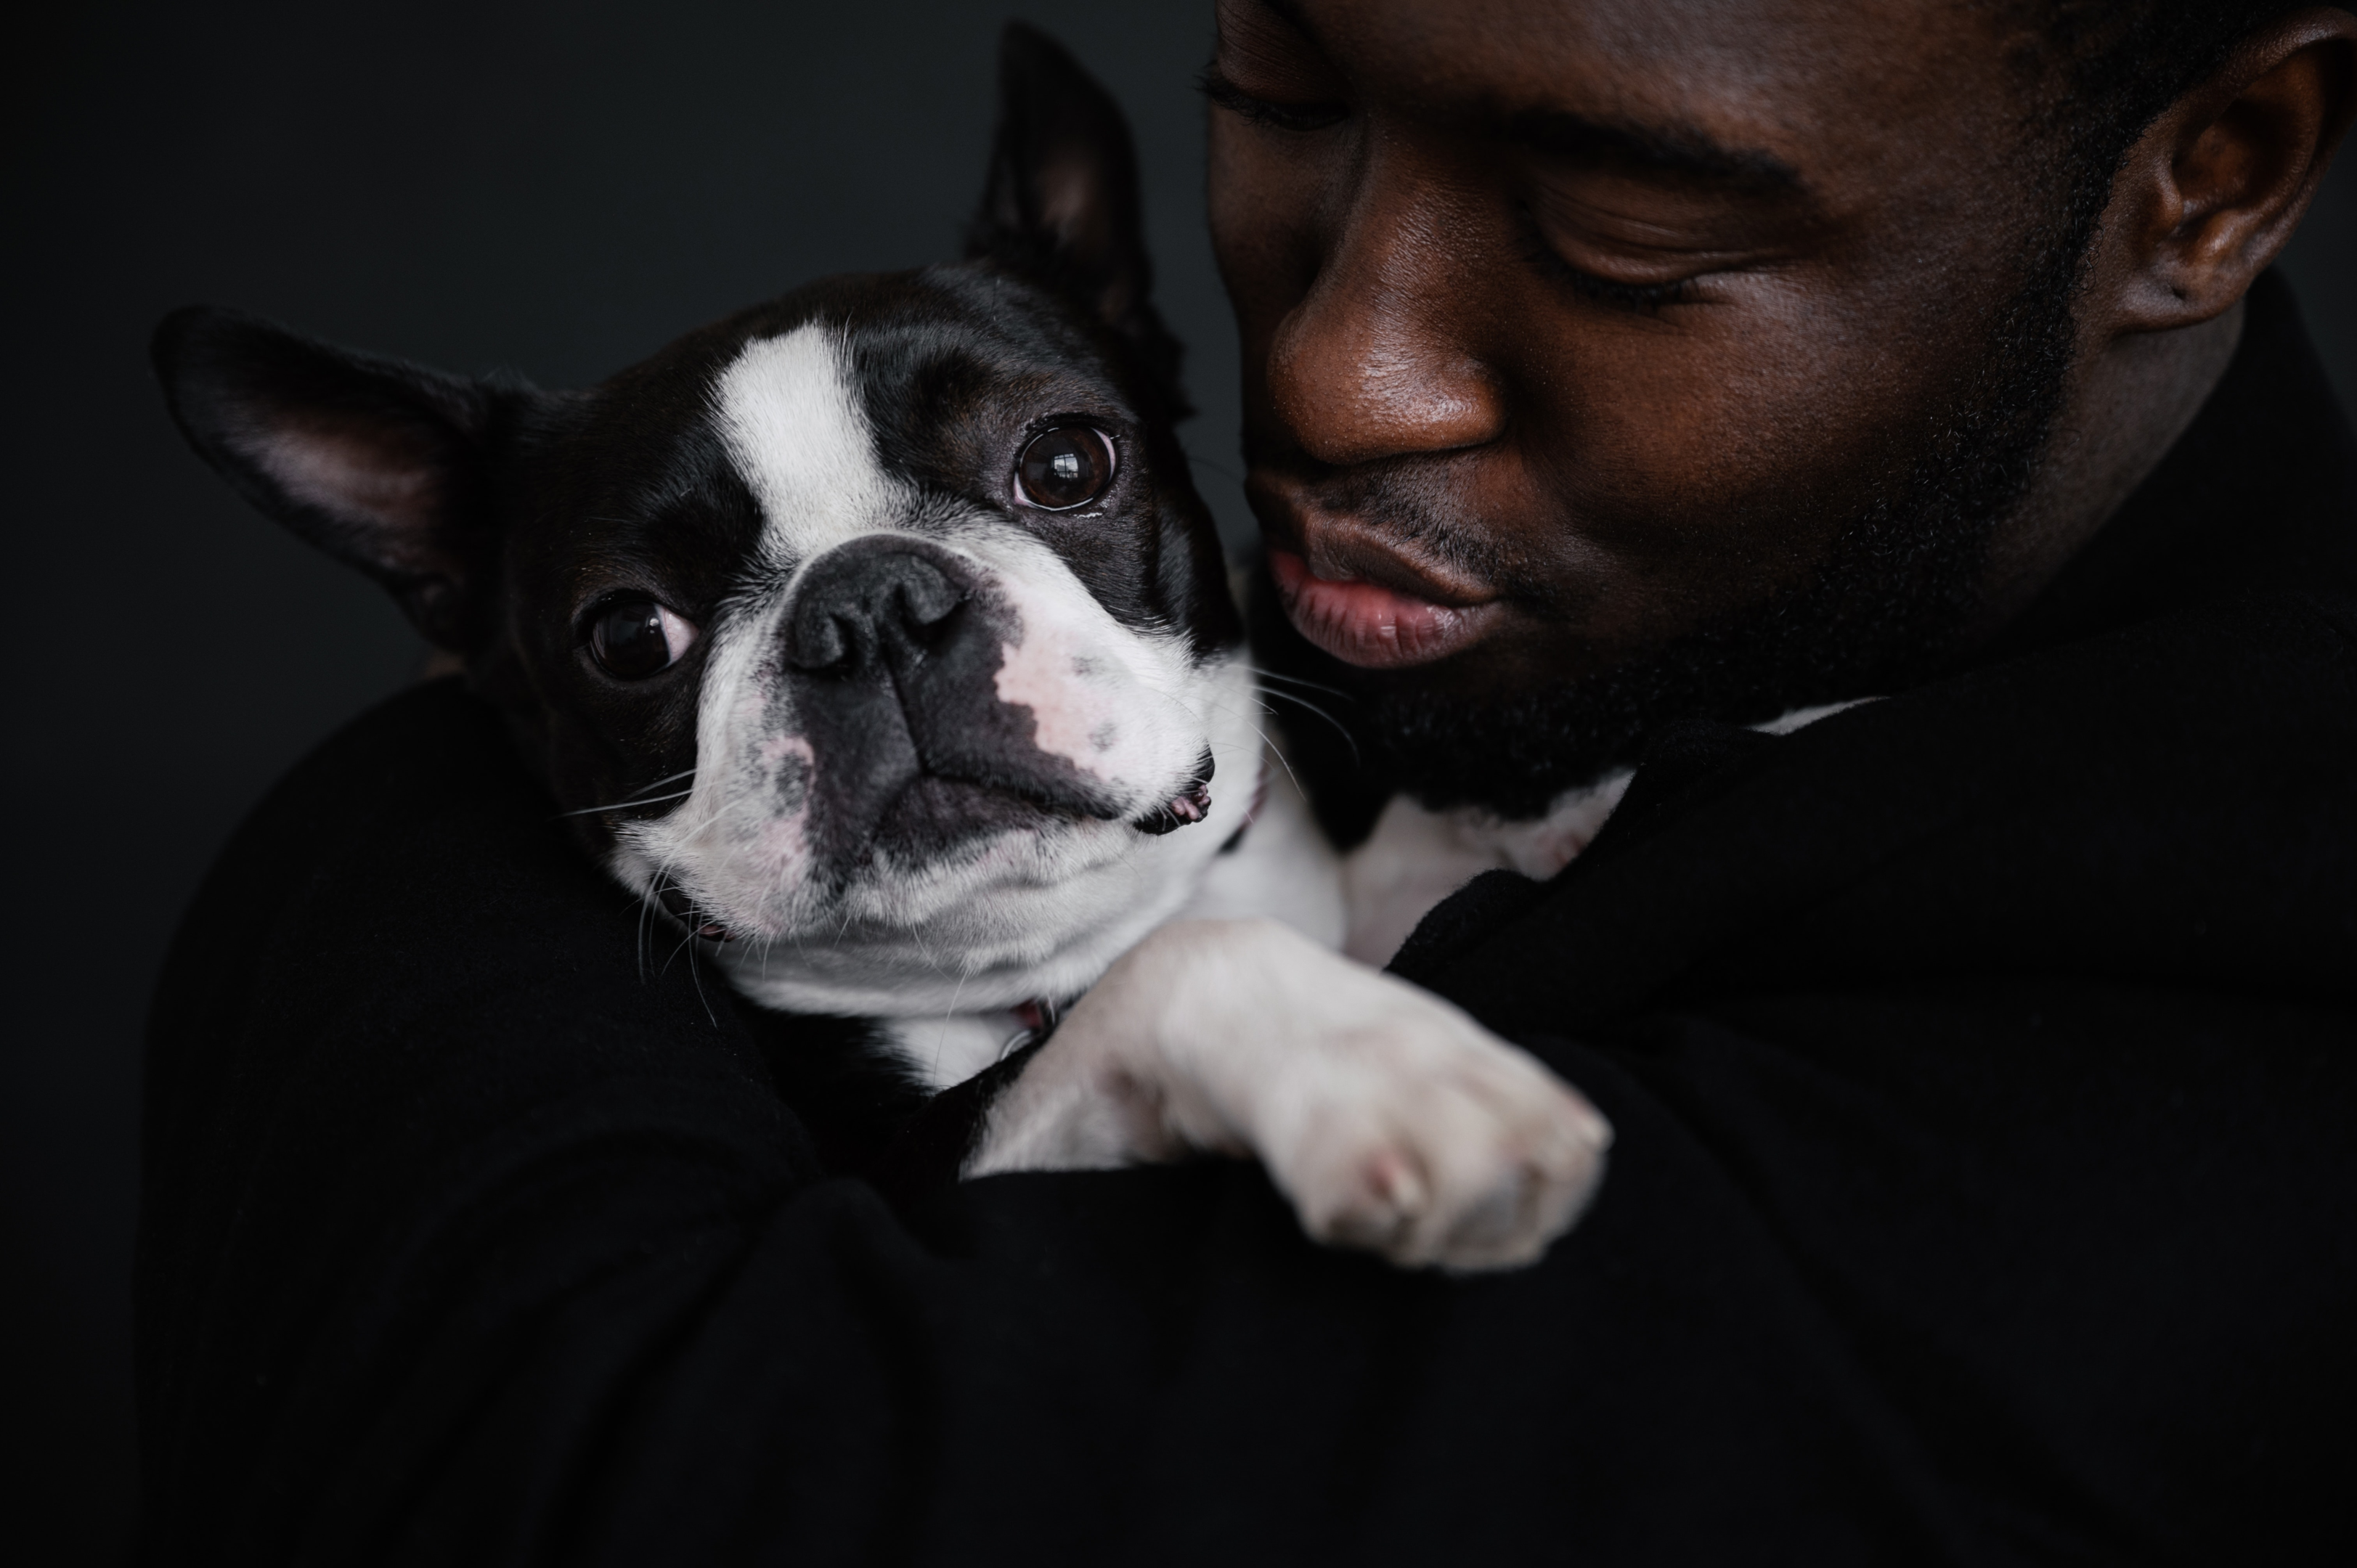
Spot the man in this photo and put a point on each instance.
(1606, 365)
(1619, 374)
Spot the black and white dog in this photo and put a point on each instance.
(877, 636)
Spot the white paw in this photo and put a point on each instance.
(1431, 1142)
(1392, 1120)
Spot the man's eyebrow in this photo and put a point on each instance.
(1290, 13)
(1682, 151)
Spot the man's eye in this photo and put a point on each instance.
(1268, 112)
(1064, 468)
(1642, 299)
(634, 638)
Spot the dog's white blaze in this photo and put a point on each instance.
(793, 422)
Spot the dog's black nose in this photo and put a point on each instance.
(871, 604)
(892, 645)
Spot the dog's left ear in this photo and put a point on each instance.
(1062, 203)
(384, 466)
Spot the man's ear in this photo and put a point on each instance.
(381, 464)
(1060, 205)
(2211, 192)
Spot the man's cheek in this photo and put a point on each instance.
(1673, 442)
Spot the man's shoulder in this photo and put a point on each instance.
(417, 782)
(410, 890)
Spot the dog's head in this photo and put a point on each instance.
(876, 633)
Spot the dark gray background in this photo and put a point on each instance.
(552, 189)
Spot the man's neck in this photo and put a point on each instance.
(2128, 409)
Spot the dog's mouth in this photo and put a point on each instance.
(935, 815)
(1190, 805)
(934, 818)
(1181, 811)
(682, 909)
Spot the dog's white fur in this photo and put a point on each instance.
(1416, 857)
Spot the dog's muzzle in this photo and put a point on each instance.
(892, 649)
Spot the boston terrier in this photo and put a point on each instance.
(876, 638)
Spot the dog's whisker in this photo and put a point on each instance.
(697, 976)
(627, 805)
(1340, 727)
(940, 1040)
(646, 912)
(1264, 674)
(1278, 752)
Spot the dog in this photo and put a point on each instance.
(876, 638)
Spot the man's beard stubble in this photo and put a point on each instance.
(1887, 608)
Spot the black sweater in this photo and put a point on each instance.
(1983, 1062)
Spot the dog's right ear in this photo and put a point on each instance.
(1062, 203)
(382, 464)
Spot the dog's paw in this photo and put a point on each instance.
(1433, 1142)
(1392, 1120)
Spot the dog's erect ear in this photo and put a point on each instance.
(1061, 204)
(381, 464)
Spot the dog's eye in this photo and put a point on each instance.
(639, 638)
(1064, 468)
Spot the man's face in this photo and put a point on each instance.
(1612, 360)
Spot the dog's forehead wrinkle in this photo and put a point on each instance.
(977, 358)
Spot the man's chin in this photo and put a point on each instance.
(1485, 722)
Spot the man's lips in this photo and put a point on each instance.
(1368, 624)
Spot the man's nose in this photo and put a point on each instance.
(1373, 362)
